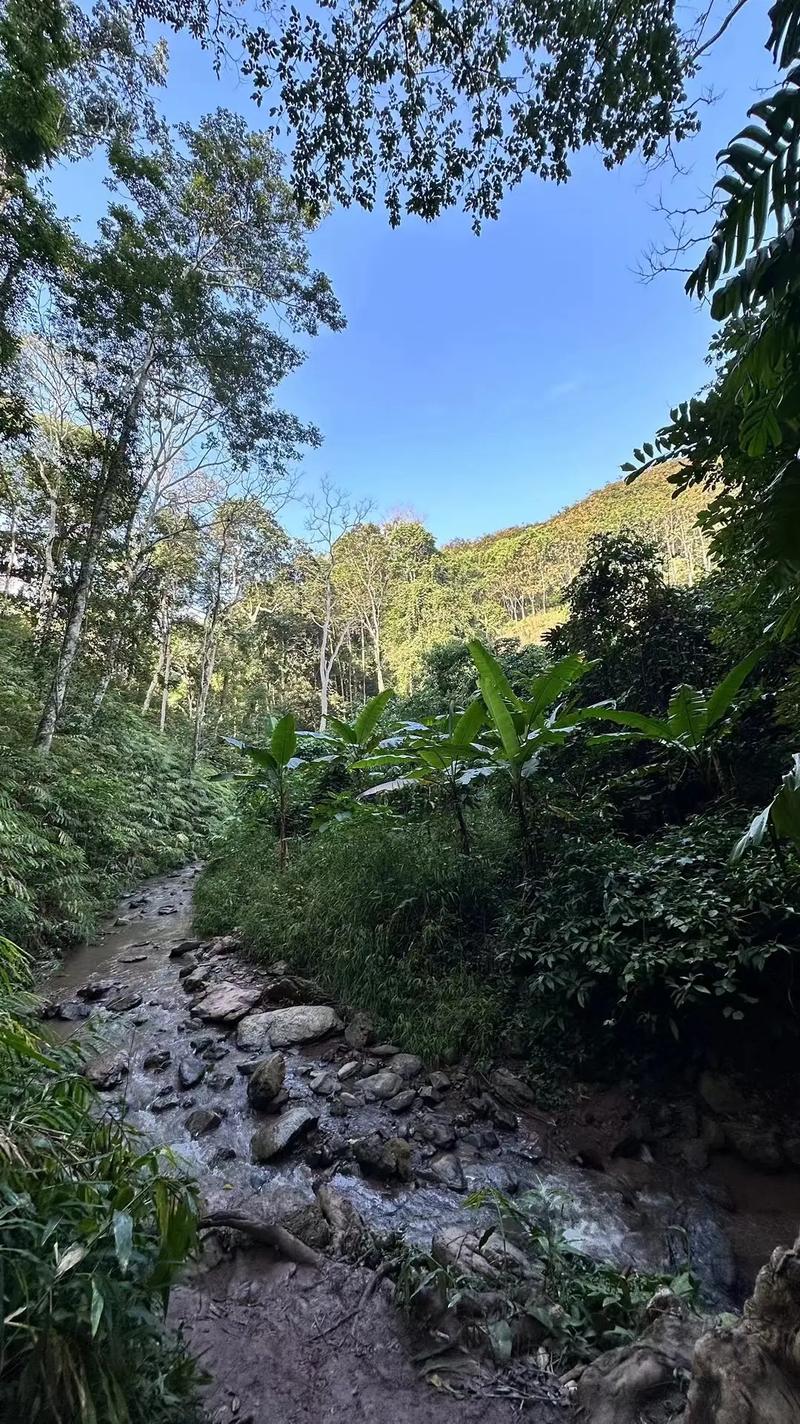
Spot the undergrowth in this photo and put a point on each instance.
(113, 803)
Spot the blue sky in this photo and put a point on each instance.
(491, 380)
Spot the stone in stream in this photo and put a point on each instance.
(351, 1100)
(123, 1002)
(408, 1065)
(429, 1095)
(359, 1032)
(227, 1003)
(300, 1024)
(348, 1070)
(107, 1071)
(98, 988)
(168, 910)
(276, 1136)
(69, 1010)
(218, 1082)
(156, 1059)
(385, 1050)
(164, 1104)
(184, 946)
(383, 1159)
(401, 1101)
(440, 1134)
(382, 1085)
(252, 1034)
(202, 1120)
(323, 1083)
(437, 1080)
(446, 1166)
(266, 1081)
(194, 983)
(132, 958)
(190, 1072)
(188, 967)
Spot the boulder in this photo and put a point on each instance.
(300, 1024)
(351, 1100)
(507, 1085)
(202, 1120)
(719, 1093)
(755, 1144)
(447, 1168)
(107, 1071)
(359, 1032)
(401, 1101)
(459, 1247)
(194, 982)
(266, 1081)
(385, 1050)
(323, 1083)
(384, 1084)
(406, 1064)
(347, 1070)
(164, 1104)
(252, 1034)
(122, 1003)
(190, 1072)
(645, 1380)
(188, 967)
(227, 1003)
(276, 1136)
(156, 1059)
(219, 1082)
(381, 1158)
(184, 946)
(438, 1080)
(98, 988)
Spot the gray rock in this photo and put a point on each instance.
(348, 1070)
(439, 1081)
(408, 1065)
(300, 1024)
(124, 1002)
(429, 1095)
(351, 1100)
(757, 1145)
(440, 1134)
(227, 1003)
(184, 946)
(219, 1082)
(69, 1010)
(98, 988)
(252, 1034)
(156, 1059)
(190, 1072)
(509, 1086)
(107, 1071)
(719, 1093)
(266, 1081)
(447, 1168)
(202, 1120)
(188, 967)
(384, 1050)
(401, 1101)
(195, 982)
(383, 1159)
(276, 1136)
(221, 1155)
(325, 1084)
(132, 958)
(382, 1085)
(160, 1105)
(359, 1031)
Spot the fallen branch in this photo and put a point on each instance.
(265, 1234)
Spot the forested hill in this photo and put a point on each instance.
(529, 565)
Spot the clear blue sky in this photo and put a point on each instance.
(488, 381)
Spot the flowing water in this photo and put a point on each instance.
(652, 1226)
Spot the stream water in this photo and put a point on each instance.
(652, 1226)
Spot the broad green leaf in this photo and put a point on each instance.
(721, 698)
(754, 834)
(96, 1309)
(370, 715)
(549, 686)
(262, 757)
(688, 715)
(368, 763)
(490, 669)
(343, 730)
(384, 787)
(123, 1238)
(638, 721)
(284, 739)
(469, 723)
(501, 717)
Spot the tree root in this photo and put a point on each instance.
(266, 1234)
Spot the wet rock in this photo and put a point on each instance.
(401, 1101)
(300, 1024)
(227, 1003)
(447, 1168)
(190, 1072)
(202, 1120)
(351, 1100)
(266, 1081)
(408, 1065)
(164, 1104)
(226, 944)
(384, 1084)
(694, 1153)
(439, 1134)
(220, 1082)
(184, 946)
(338, 1108)
(252, 1034)
(290, 989)
(385, 1050)
(379, 1158)
(168, 910)
(429, 1095)
(222, 1155)
(459, 1247)
(156, 1059)
(215, 1052)
(325, 1148)
(368, 1067)
(515, 1090)
(68, 1010)
(359, 1032)
(276, 1136)
(106, 1071)
(347, 1070)
(98, 988)
(323, 1083)
(132, 958)
(188, 967)
(756, 1145)
(439, 1081)
(194, 983)
(347, 1226)
(719, 1093)
(124, 1002)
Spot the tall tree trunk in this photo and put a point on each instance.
(206, 674)
(162, 721)
(80, 601)
(12, 550)
(376, 649)
(45, 597)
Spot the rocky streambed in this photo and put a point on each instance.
(279, 1100)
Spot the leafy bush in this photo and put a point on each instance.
(388, 914)
(92, 1233)
(112, 804)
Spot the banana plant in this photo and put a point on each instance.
(693, 718)
(521, 728)
(272, 768)
(440, 754)
(780, 820)
(358, 738)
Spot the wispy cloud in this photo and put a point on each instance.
(560, 389)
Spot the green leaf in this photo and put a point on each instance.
(549, 686)
(343, 730)
(469, 723)
(488, 667)
(284, 740)
(123, 1238)
(371, 713)
(721, 698)
(72, 1257)
(638, 721)
(97, 1308)
(687, 715)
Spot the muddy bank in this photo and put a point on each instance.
(180, 1027)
